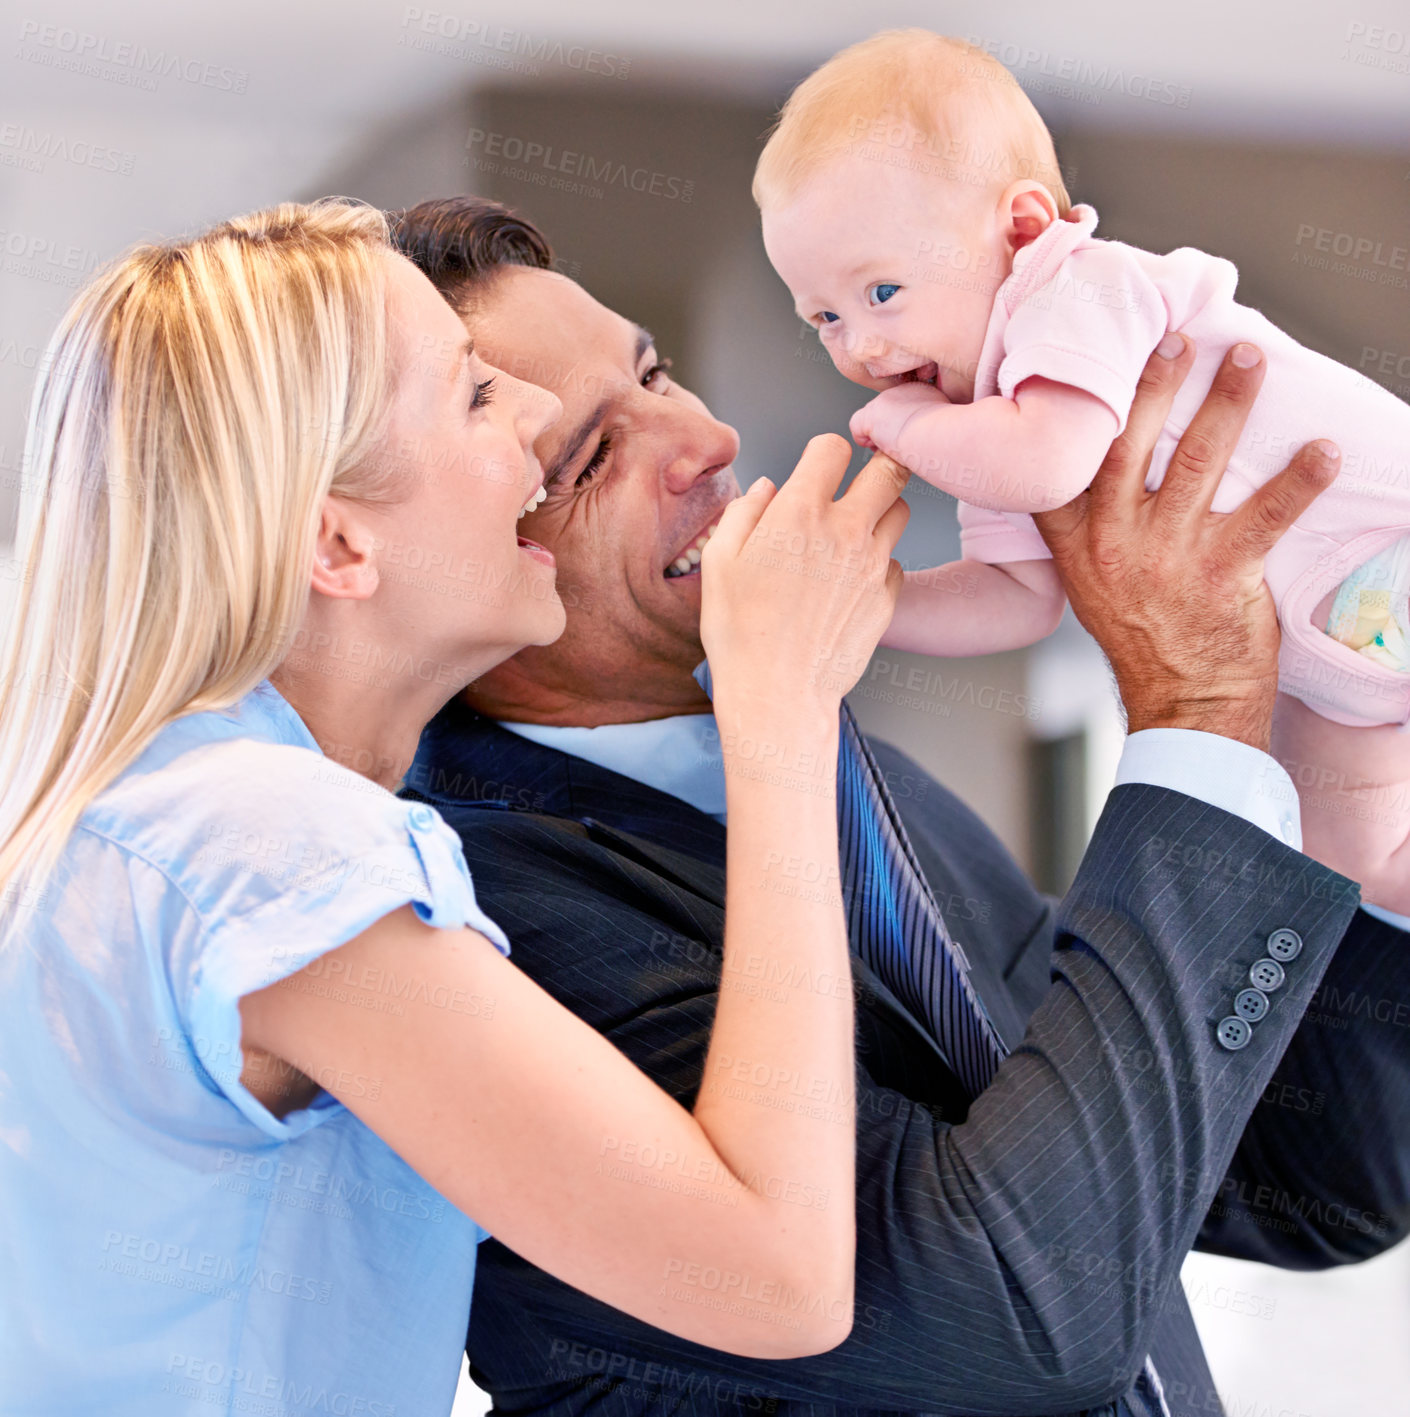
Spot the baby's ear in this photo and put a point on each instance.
(1026, 210)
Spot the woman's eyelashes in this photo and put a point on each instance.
(484, 394)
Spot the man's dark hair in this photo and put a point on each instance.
(461, 243)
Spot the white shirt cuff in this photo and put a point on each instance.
(1217, 770)
(1389, 916)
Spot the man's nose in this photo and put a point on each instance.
(704, 445)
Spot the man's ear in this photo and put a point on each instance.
(1026, 210)
(345, 554)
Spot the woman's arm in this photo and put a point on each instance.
(706, 1224)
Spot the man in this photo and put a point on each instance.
(1018, 1251)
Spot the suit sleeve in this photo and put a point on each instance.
(1322, 1174)
(1019, 1261)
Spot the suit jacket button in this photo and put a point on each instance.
(1267, 974)
(1284, 945)
(1233, 1033)
(1250, 1004)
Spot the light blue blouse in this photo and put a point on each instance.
(167, 1245)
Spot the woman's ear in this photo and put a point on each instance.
(344, 556)
(1026, 210)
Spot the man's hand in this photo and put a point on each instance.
(1173, 592)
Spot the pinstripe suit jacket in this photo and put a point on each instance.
(1019, 1255)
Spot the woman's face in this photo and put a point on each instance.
(452, 568)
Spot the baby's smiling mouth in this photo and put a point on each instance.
(921, 374)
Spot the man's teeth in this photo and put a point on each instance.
(689, 559)
(534, 501)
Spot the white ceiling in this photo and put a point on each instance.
(1300, 69)
(327, 81)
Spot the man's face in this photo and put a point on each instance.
(637, 473)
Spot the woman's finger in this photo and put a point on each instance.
(821, 468)
(887, 531)
(739, 520)
(876, 487)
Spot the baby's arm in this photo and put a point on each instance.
(1354, 786)
(971, 607)
(1029, 453)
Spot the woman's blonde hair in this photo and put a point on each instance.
(975, 123)
(195, 406)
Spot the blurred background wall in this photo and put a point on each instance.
(1275, 135)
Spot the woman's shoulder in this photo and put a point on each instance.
(206, 802)
(240, 813)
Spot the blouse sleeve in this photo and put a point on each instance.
(300, 857)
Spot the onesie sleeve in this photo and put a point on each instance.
(297, 857)
(1092, 326)
(998, 537)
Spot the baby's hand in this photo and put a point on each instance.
(879, 423)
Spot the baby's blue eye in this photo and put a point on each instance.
(827, 316)
(880, 293)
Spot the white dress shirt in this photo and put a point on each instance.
(681, 756)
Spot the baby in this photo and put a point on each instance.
(912, 204)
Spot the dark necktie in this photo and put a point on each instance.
(893, 921)
(895, 925)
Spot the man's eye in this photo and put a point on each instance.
(484, 394)
(594, 463)
(881, 292)
(657, 371)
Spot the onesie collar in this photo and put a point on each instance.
(1036, 264)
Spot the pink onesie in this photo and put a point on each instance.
(1088, 312)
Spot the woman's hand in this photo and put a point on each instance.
(534, 1124)
(1173, 592)
(798, 584)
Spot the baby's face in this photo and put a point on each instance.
(896, 269)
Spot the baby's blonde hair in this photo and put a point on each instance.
(197, 403)
(976, 123)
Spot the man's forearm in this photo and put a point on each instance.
(1020, 1262)
(1322, 1173)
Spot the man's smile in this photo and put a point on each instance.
(686, 561)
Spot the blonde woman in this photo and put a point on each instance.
(265, 1070)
